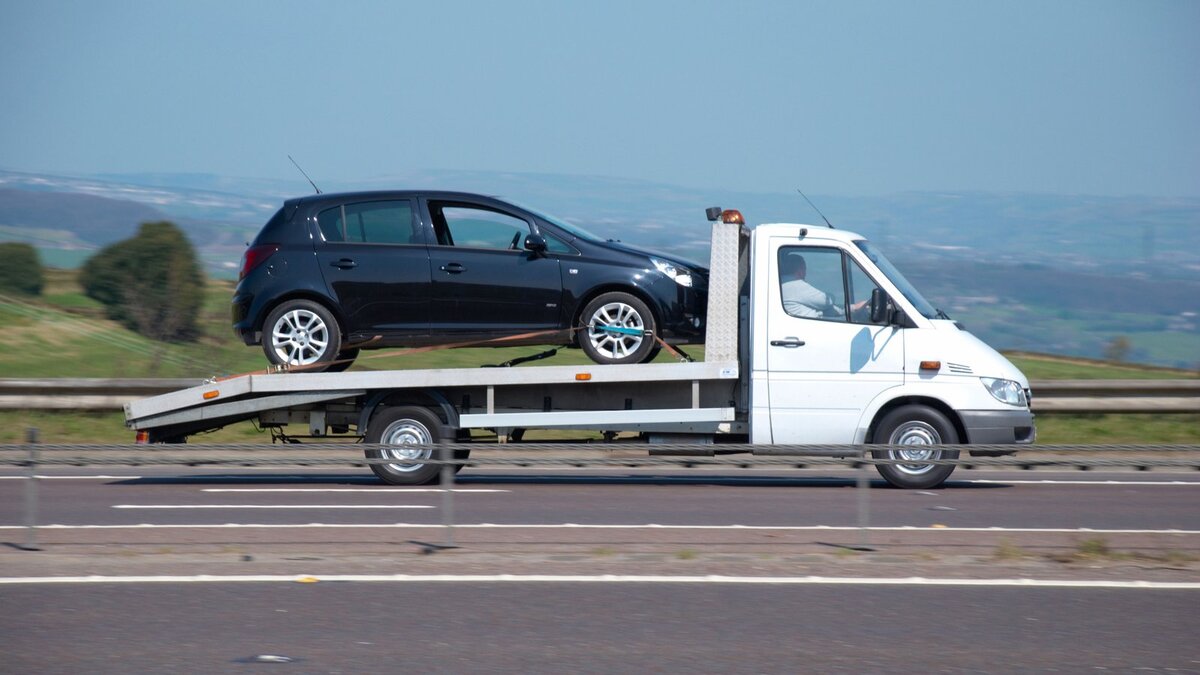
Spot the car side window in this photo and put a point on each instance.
(477, 227)
(383, 222)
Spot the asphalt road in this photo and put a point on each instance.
(560, 570)
(592, 628)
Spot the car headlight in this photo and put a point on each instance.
(1005, 391)
(681, 275)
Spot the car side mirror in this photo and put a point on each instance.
(535, 243)
(882, 309)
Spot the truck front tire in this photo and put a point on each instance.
(920, 427)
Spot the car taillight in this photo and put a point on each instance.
(255, 256)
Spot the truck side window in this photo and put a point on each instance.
(860, 286)
(811, 282)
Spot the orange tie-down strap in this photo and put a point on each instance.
(289, 368)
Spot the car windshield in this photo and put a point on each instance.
(889, 270)
(562, 224)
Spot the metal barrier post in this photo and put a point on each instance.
(864, 506)
(31, 492)
(447, 495)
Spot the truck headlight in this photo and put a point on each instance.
(681, 275)
(1005, 391)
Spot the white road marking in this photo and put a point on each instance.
(365, 490)
(1077, 482)
(271, 506)
(614, 578)
(578, 526)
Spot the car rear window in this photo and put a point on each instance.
(386, 222)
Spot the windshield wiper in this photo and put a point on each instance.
(942, 315)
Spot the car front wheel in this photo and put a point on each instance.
(617, 328)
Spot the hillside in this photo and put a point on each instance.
(1065, 274)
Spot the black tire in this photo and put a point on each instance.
(301, 333)
(344, 360)
(620, 311)
(920, 426)
(400, 426)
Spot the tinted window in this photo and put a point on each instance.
(388, 222)
(477, 227)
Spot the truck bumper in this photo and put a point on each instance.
(998, 427)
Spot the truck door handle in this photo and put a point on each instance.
(453, 268)
(789, 342)
(344, 264)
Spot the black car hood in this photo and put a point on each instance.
(637, 250)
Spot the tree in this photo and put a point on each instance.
(20, 269)
(151, 283)
(1118, 349)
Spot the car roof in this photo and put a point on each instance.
(375, 195)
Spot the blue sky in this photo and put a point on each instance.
(853, 98)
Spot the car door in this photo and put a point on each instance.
(826, 361)
(484, 282)
(376, 266)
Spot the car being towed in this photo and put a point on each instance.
(330, 274)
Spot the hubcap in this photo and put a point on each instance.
(919, 434)
(616, 330)
(299, 337)
(400, 435)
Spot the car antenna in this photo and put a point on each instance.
(814, 209)
(310, 181)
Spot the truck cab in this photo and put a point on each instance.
(844, 350)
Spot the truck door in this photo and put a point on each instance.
(825, 360)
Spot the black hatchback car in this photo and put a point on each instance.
(330, 274)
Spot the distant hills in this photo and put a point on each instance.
(1066, 273)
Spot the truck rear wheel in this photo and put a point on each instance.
(922, 428)
(402, 428)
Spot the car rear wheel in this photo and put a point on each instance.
(617, 328)
(301, 333)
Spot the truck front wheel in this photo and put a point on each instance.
(922, 429)
(404, 430)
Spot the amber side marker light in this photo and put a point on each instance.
(209, 395)
(582, 377)
(931, 365)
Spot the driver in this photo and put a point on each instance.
(801, 298)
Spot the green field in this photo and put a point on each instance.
(64, 334)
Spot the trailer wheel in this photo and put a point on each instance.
(922, 428)
(614, 329)
(402, 427)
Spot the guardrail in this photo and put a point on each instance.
(1049, 396)
(33, 456)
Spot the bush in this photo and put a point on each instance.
(151, 283)
(20, 269)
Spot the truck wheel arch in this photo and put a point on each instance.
(926, 401)
(425, 398)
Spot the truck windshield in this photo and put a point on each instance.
(910, 292)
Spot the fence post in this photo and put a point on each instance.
(446, 455)
(864, 505)
(31, 492)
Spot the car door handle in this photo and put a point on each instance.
(344, 263)
(789, 342)
(453, 268)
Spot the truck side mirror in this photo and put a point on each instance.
(535, 243)
(882, 309)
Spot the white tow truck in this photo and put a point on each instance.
(813, 338)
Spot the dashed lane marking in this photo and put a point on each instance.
(271, 506)
(364, 490)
